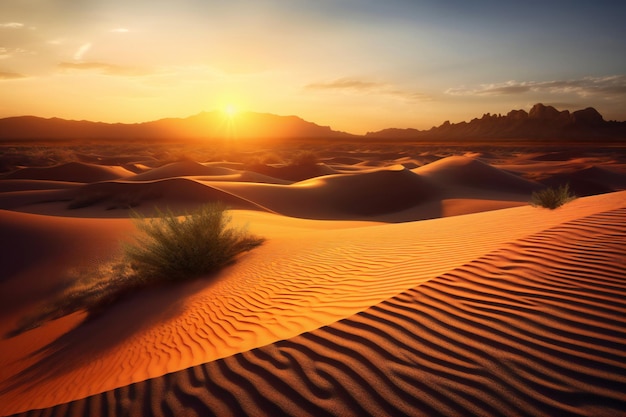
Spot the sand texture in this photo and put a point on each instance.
(401, 284)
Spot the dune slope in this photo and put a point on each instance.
(534, 328)
(72, 172)
(492, 325)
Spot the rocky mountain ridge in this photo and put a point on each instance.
(540, 123)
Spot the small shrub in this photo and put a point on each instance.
(169, 248)
(173, 248)
(552, 198)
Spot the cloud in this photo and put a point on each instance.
(10, 76)
(78, 56)
(6, 53)
(610, 86)
(346, 84)
(103, 68)
(120, 30)
(409, 95)
(11, 25)
(367, 87)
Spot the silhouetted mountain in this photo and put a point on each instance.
(541, 123)
(213, 125)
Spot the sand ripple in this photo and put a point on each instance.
(537, 327)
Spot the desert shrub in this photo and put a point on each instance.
(168, 248)
(173, 248)
(552, 198)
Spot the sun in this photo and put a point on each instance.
(230, 110)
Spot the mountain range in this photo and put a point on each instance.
(540, 123)
(205, 125)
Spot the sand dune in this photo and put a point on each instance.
(589, 180)
(533, 328)
(350, 307)
(71, 171)
(372, 194)
(180, 169)
(340, 196)
(7, 186)
(294, 283)
(294, 172)
(470, 172)
(449, 186)
(172, 191)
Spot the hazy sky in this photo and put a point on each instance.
(356, 65)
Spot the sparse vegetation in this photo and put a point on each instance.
(173, 248)
(552, 198)
(169, 248)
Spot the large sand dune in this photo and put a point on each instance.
(490, 307)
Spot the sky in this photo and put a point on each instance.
(354, 65)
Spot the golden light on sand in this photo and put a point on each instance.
(407, 264)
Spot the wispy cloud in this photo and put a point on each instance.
(6, 53)
(104, 68)
(609, 86)
(346, 84)
(80, 53)
(120, 30)
(366, 87)
(11, 25)
(10, 76)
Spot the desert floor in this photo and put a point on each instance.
(395, 279)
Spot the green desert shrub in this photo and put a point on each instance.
(168, 248)
(552, 198)
(172, 248)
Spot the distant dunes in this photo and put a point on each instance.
(336, 191)
(71, 172)
(534, 328)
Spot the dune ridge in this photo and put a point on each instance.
(397, 189)
(71, 172)
(293, 284)
(533, 328)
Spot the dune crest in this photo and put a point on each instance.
(510, 332)
(293, 284)
(72, 172)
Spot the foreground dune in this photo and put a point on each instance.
(534, 328)
(488, 313)
(350, 307)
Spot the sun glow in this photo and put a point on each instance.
(230, 110)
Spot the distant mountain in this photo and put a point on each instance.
(206, 125)
(541, 123)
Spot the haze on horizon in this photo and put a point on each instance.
(355, 65)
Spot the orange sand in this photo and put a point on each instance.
(486, 271)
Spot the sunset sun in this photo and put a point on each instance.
(230, 110)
